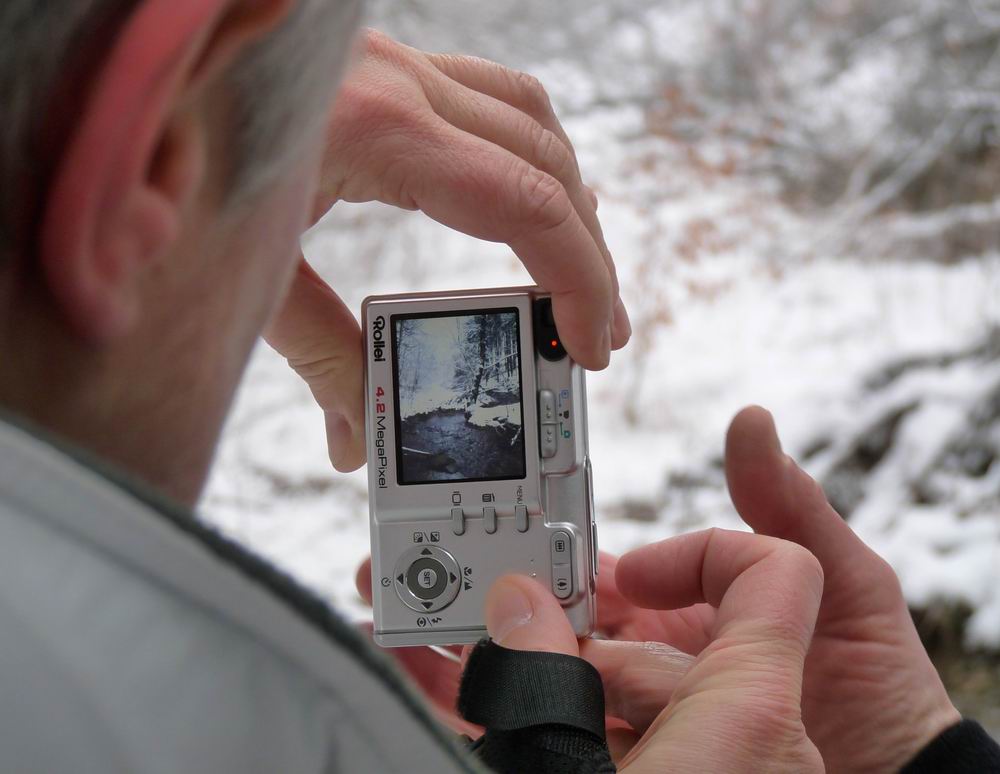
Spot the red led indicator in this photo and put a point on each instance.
(554, 343)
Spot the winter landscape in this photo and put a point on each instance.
(803, 200)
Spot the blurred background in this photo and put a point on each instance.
(803, 200)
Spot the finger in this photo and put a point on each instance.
(621, 740)
(767, 591)
(488, 192)
(501, 124)
(521, 614)
(688, 629)
(319, 337)
(776, 497)
(517, 89)
(525, 94)
(363, 581)
(768, 594)
(616, 616)
(639, 677)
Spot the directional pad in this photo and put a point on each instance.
(427, 579)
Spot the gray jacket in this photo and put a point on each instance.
(134, 639)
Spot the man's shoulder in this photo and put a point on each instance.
(181, 641)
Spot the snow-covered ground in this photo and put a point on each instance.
(735, 299)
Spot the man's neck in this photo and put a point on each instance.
(142, 405)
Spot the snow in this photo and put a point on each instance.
(493, 416)
(736, 298)
(430, 398)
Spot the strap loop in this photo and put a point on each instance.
(506, 690)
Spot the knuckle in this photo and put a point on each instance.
(552, 155)
(373, 42)
(319, 371)
(544, 201)
(770, 716)
(883, 575)
(364, 109)
(814, 493)
(774, 721)
(532, 96)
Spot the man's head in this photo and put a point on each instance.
(157, 165)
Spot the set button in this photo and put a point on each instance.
(427, 579)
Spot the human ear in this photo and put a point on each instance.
(137, 155)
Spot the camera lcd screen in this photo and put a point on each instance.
(458, 396)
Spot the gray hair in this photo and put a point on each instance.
(279, 88)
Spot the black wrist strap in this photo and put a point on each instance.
(964, 748)
(543, 712)
(506, 690)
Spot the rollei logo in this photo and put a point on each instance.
(378, 339)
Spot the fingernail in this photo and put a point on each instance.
(510, 609)
(593, 197)
(606, 340)
(775, 438)
(771, 431)
(623, 325)
(338, 434)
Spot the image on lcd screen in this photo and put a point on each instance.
(458, 397)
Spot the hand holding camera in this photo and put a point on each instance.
(866, 677)
(856, 719)
(477, 147)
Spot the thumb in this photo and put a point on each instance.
(521, 614)
(776, 497)
(319, 337)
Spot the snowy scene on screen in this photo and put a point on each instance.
(458, 381)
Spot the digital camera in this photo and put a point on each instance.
(477, 461)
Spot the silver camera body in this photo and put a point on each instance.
(477, 461)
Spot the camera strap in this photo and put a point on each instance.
(506, 690)
(541, 711)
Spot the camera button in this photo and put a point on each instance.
(427, 579)
(550, 441)
(562, 581)
(521, 518)
(595, 550)
(561, 548)
(458, 521)
(490, 519)
(547, 406)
